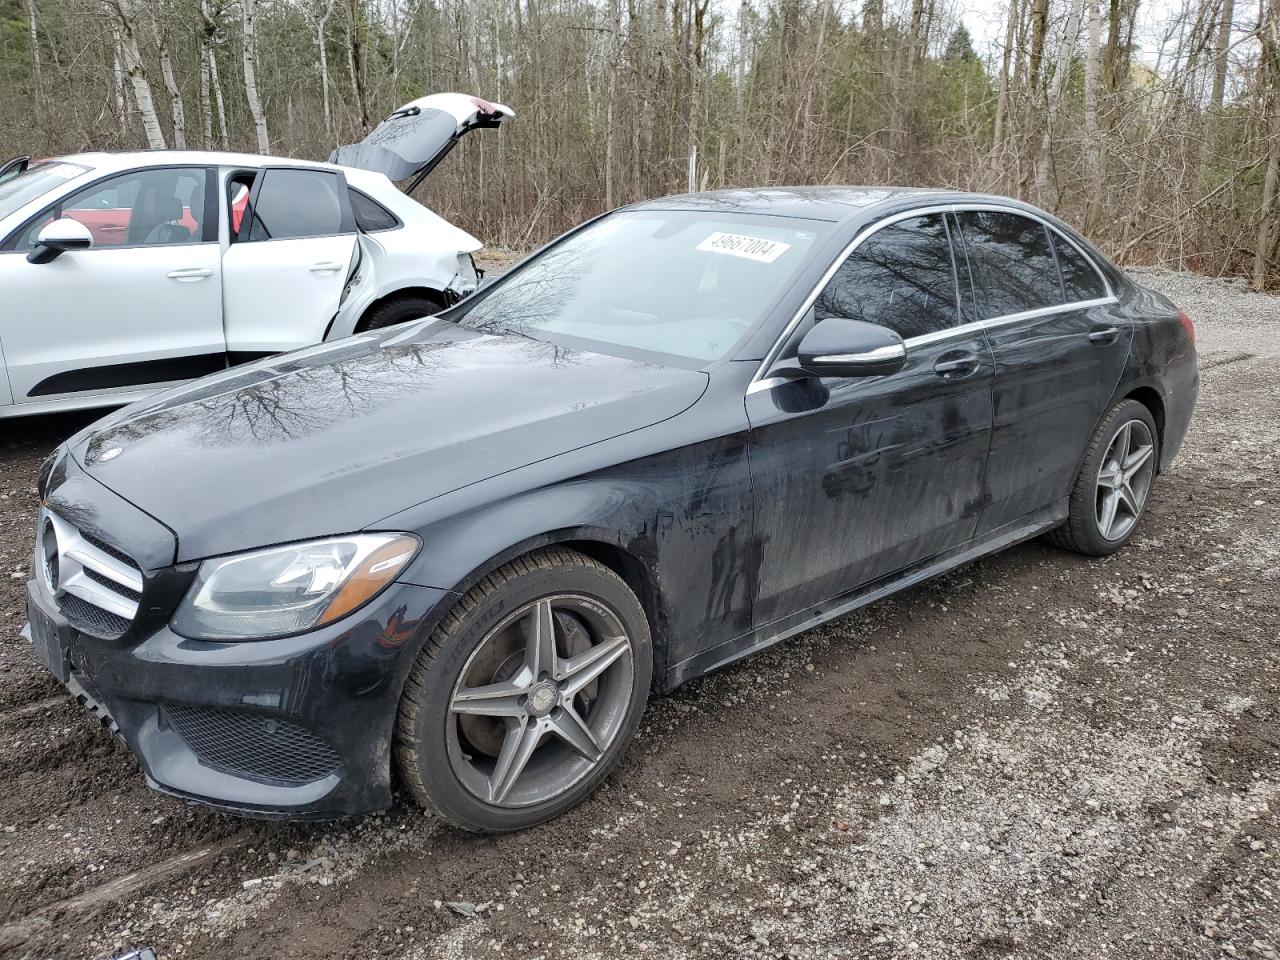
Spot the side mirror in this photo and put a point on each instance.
(850, 348)
(58, 237)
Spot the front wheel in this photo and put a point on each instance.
(1114, 483)
(526, 696)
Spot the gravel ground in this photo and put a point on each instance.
(1036, 756)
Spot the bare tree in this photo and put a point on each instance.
(170, 85)
(249, 10)
(131, 59)
(1054, 99)
(1092, 129)
(33, 35)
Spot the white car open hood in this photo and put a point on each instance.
(410, 142)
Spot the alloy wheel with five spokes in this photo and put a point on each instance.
(1124, 480)
(540, 700)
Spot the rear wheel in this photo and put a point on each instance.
(399, 310)
(1114, 483)
(525, 697)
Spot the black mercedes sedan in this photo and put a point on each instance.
(462, 552)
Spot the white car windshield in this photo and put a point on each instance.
(34, 182)
(678, 283)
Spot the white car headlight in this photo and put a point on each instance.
(283, 590)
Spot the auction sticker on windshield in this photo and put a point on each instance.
(737, 245)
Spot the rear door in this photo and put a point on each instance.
(285, 268)
(1059, 343)
(141, 308)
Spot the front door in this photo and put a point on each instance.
(285, 269)
(1059, 341)
(858, 478)
(141, 308)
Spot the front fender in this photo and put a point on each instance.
(680, 518)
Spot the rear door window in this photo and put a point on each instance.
(290, 204)
(1080, 278)
(1012, 260)
(901, 277)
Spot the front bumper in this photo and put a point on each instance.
(295, 727)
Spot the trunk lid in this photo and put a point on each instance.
(410, 142)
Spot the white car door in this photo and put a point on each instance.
(139, 309)
(285, 268)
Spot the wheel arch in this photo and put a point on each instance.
(1150, 398)
(430, 293)
(604, 546)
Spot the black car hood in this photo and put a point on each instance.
(333, 438)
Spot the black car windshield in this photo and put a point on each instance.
(35, 181)
(677, 283)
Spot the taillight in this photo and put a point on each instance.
(1187, 325)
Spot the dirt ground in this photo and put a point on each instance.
(1037, 756)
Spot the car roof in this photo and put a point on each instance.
(128, 159)
(830, 203)
(111, 162)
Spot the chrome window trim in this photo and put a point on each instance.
(759, 382)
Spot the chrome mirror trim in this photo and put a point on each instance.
(896, 351)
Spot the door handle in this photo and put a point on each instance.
(326, 266)
(1104, 335)
(965, 363)
(190, 273)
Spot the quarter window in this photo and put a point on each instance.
(1079, 276)
(901, 277)
(297, 203)
(370, 214)
(1012, 262)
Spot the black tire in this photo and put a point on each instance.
(399, 310)
(1082, 532)
(422, 744)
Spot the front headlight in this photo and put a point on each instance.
(282, 590)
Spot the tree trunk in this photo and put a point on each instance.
(33, 33)
(995, 160)
(1268, 228)
(1054, 99)
(131, 58)
(206, 114)
(117, 81)
(1214, 115)
(178, 112)
(355, 63)
(322, 56)
(249, 54)
(214, 79)
(615, 35)
(1092, 129)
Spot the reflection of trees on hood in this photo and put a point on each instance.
(296, 398)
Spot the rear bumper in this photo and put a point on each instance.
(296, 727)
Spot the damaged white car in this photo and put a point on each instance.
(124, 273)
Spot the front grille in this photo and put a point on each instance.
(96, 585)
(120, 588)
(251, 745)
(95, 621)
